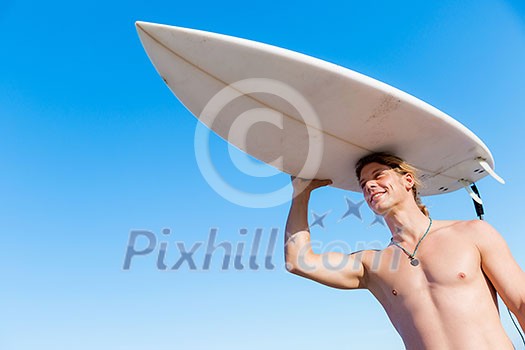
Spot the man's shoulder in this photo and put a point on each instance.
(369, 256)
(470, 232)
(473, 231)
(465, 226)
(367, 252)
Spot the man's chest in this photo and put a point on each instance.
(444, 262)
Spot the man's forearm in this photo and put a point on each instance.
(298, 215)
(297, 232)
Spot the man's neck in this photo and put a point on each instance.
(407, 224)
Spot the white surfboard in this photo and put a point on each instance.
(316, 119)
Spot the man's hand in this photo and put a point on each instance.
(307, 186)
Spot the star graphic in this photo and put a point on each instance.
(399, 230)
(290, 240)
(378, 220)
(318, 219)
(352, 209)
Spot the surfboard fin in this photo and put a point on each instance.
(471, 193)
(490, 171)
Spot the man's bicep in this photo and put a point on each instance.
(500, 266)
(334, 269)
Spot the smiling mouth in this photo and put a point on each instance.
(376, 196)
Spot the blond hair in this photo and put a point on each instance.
(399, 166)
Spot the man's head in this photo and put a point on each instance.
(383, 173)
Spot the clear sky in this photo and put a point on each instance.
(93, 146)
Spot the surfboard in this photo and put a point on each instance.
(308, 117)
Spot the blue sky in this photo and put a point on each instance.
(94, 146)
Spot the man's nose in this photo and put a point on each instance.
(369, 186)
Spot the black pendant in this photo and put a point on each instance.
(414, 262)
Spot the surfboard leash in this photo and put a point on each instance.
(477, 205)
(480, 212)
(516, 325)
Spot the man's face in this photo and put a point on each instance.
(382, 187)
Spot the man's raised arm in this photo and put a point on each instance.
(338, 270)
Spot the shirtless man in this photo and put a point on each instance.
(441, 295)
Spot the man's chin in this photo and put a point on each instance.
(381, 211)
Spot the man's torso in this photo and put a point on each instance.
(446, 302)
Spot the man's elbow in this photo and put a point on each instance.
(517, 307)
(291, 267)
(300, 264)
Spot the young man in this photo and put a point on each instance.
(437, 280)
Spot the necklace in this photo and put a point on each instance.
(413, 260)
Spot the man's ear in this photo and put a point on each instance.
(409, 181)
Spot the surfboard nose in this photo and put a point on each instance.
(144, 26)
